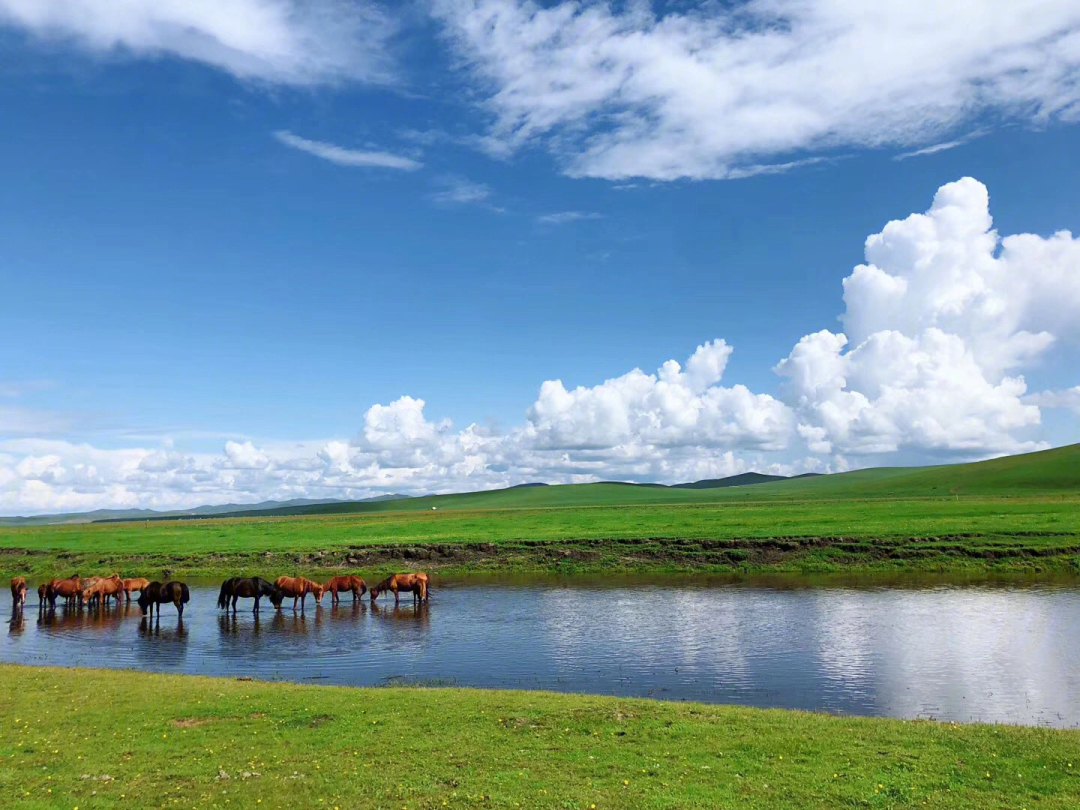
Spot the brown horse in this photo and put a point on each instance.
(102, 590)
(417, 583)
(42, 590)
(69, 588)
(18, 591)
(137, 584)
(344, 585)
(299, 588)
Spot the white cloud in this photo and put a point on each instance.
(933, 149)
(939, 324)
(621, 91)
(1070, 398)
(938, 321)
(564, 217)
(298, 42)
(348, 157)
(458, 190)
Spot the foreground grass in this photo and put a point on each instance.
(1031, 534)
(165, 741)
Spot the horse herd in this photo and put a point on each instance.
(91, 592)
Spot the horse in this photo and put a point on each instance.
(248, 588)
(42, 590)
(299, 588)
(90, 582)
(344, 585)
(157, 594)
(417, 583)
(101, 590)
(18, 592)
(68, 588)
(137, 584)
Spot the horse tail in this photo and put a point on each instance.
(185, 594)
(223, 597)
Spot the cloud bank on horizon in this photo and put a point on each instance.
(939, 325)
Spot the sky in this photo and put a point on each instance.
(272, 249)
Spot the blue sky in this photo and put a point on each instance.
(197, 305)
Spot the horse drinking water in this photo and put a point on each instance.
(299, 588)
(248, 588)
(417, 583)
(339, 585)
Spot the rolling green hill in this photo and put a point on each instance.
(1046, 473)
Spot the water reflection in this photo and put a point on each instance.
(17, 623)
(995, 653)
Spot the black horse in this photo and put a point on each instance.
(248, 588)
(157, 594)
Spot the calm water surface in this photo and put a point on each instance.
(995, 653)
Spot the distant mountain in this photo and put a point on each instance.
(740, 480)
(218, 510)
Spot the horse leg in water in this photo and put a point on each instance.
(303, 601)
(256, 608)
(179, 605)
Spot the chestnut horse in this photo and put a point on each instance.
(68, 588)
(18, 592)
(101, 590)
(248, 588)
(157, 594)
(137, 584)
(417, 583)
(344, 585)
(299, 588)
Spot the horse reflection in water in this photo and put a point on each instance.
(298, 623)
(152, 629)
(18, 621)
(417, 615)
(69, 617)
(230, 625)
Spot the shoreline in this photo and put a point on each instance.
(195, 741)
(1040, 553)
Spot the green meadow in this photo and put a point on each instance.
(1015, 513)
(93, 738)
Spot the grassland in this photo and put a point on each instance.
(1015, 514)
(93, 738)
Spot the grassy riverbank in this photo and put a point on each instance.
(975, 534)
(166, 740)
(1014, 514)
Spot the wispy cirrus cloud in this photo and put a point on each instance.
(565, 217)
(722, 90)
(457, 190)
(294, 42)
(348, 157)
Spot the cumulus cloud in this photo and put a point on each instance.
(624, 90)
(938, 320)
(348, 157)
(1070, 398)
(939, 324)
(298, 42)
